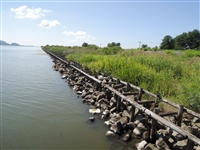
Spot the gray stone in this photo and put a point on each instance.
(106, 112)
(177, 136)
(91, 119)
(141, 126)
(136, 122)
(137, 131)
(100, 95)
(126, 137)
(141, 145)
(196, 120)
(79, 92)
(180, 145)
(161, 144)
(113, 109)
(112, 135)
(131, 125)
(163, 132)
(100, 77)
(150, 146)
(104, 117)
(113, 100)
(104, 106)
(116, 127)
(145, 135)
(197, 147)
(125, 113)
(123, 120)
(108, 123)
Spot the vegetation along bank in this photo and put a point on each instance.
(172, 73)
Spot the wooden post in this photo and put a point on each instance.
(98, 86)
(132, 114)
(180, 114)
(140, 94)
(128, 87)
(118, 81)
(118, 103)
(190, 143)
(135, 98)
(156, 100)
(108, 94)
(154, 127)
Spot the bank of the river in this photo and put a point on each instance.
(125, 118)
(174, 75)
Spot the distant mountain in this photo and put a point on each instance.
(12, 44)
(3, 43)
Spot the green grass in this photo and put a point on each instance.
(173, 74)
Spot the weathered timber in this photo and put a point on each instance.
(164, 100)
(185, 109)
(132, 114)
(154, 127)
(128, 87)
(118, 86)
(180, 115)
(155, 116)
(168, 114)
(146, 101)
(130, 93)
(140, 94)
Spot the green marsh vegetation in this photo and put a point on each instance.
(175, 74)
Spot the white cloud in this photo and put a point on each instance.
(30, 13)
(49, 23)
(80, 35)
(69, 33)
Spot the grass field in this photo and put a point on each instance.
(173, 74)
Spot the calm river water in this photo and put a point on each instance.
(40, 111)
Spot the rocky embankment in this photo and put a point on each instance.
(122, 124)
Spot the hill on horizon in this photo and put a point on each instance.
(5, 43)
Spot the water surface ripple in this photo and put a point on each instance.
(40, 110)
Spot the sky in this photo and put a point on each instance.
(71, 23)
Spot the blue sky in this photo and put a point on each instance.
(100, 22)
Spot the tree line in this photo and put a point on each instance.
(184, 41)
(189, 40)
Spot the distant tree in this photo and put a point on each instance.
(193, 39)
(155, 48)
(93, 46)
(113, 44)
(84, 44)
(167, 43)
(190, 40)
(181, 41)
(144, 45)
